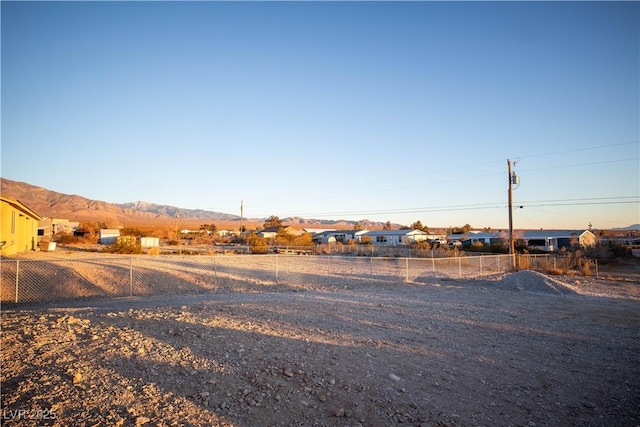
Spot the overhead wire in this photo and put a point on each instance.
(482, 206)
(460, 179)
(564, 202)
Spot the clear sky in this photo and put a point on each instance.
(333, 110)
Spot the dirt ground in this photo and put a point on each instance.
(520, 349)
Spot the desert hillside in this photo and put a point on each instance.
(53, 204)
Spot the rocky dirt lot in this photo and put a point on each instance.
(520, 349)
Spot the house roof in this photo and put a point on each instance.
(333, 232)
(17, 204)
(481, 235)
(394, 232)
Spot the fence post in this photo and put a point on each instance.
(17, 274)
(276, 268)
(371, 266)
(433, 264)
(130, 276)
(406, 269)
(480, 263)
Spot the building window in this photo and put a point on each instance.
(381, 239)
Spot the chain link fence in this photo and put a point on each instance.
(55, 279)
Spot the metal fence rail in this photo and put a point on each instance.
(56, 278)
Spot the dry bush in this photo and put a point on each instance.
(524, 262)
(585, 266)
(154, 250)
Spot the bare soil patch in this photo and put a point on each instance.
(519, 349)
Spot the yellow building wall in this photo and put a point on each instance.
(18, 229)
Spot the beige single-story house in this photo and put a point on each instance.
(18, 227)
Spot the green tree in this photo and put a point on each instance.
(387, 226)
(272, 221)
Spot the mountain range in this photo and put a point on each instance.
(48, 203)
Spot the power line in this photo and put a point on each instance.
(458, 179)
(563, 166)
(575, 150)
(570, 216)
(482, 206)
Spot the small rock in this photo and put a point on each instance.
(339, 413)
(77, 377)
(394, 377)
(142, 421)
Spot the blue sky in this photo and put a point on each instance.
(384, 111)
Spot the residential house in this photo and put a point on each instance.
(47, 227)
(18, 228)
(394, 237)
(486, 238)
(545, 240)
(338, 236)
(554, 240)
(272, 232)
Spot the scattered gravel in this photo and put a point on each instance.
(534, 282)
(453, 353)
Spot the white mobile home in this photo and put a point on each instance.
(395, 237)
(554, 240)
(338, 236)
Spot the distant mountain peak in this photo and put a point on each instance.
(50, 203)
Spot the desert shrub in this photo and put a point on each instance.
(66, 239)
(366, 240)
(524, 262)
(302, 240)
(154, 250)
(421, 245)
(585, 266)
(257, 244)
(129, 231)
(124, 246)
(553, 271)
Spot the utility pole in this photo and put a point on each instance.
(241, 215)
(513, 179)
